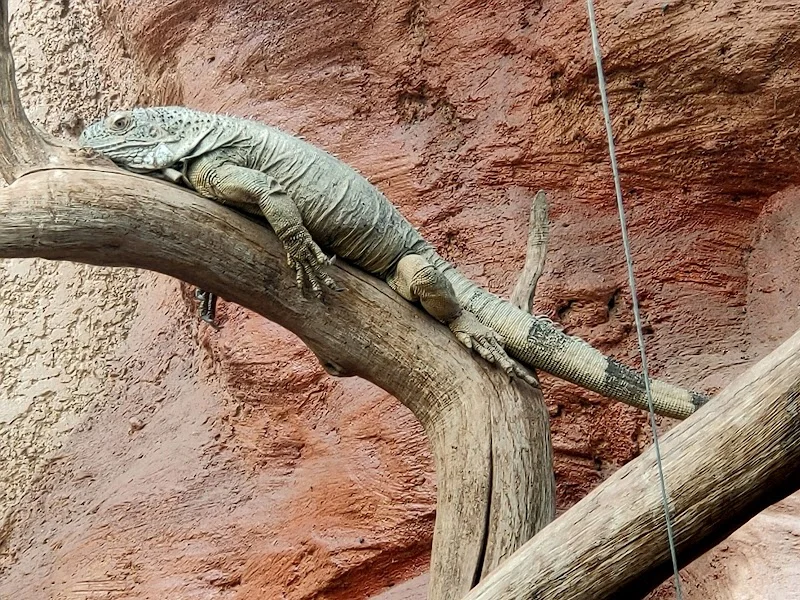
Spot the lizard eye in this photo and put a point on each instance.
(119, 122)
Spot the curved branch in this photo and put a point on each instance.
(482, 427)
(21, 147)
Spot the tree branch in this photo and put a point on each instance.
(727, 462)
(486, 432)
(538, 231)
(21, 147)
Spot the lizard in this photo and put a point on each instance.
(314, 201)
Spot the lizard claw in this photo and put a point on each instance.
(489, 345)
(307, 259)
(208, 306)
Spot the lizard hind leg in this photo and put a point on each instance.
(417, 280)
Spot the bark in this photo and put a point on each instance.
(727, 462)
(21, 147)
(489, 435)
(536, 252)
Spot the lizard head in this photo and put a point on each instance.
(138, 140)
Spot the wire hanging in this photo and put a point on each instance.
(598, 58)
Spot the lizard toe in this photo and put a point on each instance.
(316, 288)
(299, 276)
(464, 338)
(319, 256)
(330, 282)
(526, 375)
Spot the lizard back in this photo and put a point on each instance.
(344, 213)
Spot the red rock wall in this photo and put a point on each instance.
(256, 475)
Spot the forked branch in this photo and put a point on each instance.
(485, 430)
(21, 147)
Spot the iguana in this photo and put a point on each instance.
(313, 201)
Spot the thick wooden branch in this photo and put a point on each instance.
(737, 455)
(489, 435)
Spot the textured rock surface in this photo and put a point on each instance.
(61, 323)
(226, 464)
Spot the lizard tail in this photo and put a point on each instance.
(538, 343)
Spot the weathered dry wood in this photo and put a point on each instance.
(20, 145)
(730, 460)
(536, 253)
(514, 423)
(523, 499)
(486, 432)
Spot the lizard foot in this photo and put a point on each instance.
(307, 259)
(489, 344)
(208, 306)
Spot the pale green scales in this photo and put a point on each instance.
(314, 201)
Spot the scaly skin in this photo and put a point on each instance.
(313, 201)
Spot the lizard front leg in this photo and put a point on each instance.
(257, 192)
(417, 280)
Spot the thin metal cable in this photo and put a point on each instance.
(598, 57)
